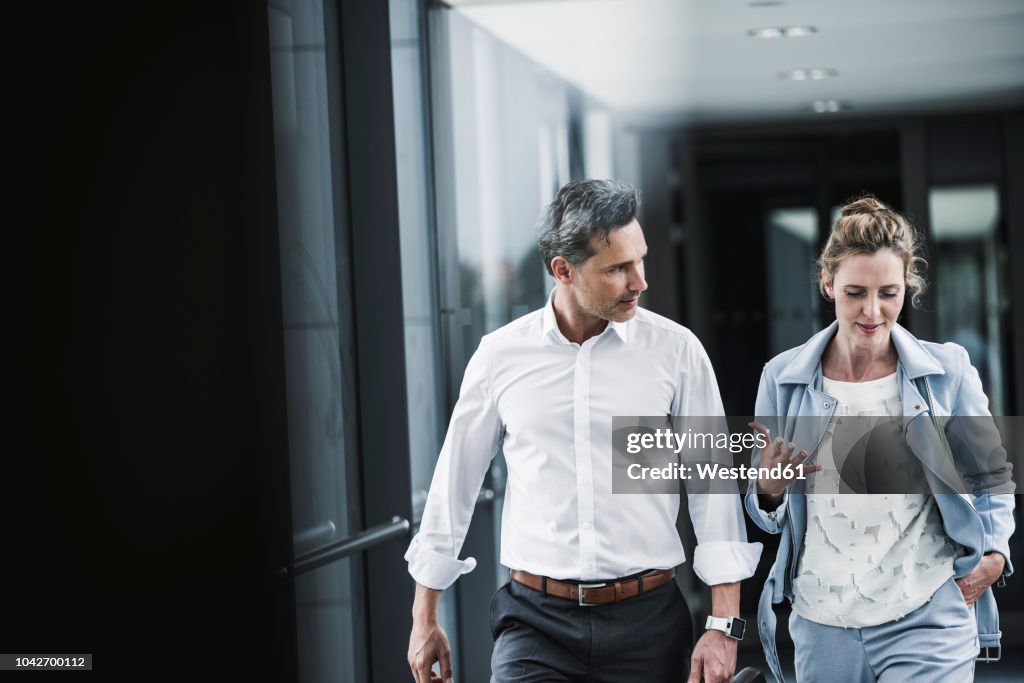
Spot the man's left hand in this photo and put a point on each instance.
(715, 657)
(976, 581)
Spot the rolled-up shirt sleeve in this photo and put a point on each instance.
(725, 561)
(723, 554)
(473, 438)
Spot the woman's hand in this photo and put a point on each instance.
(779, 453)
(976, 581)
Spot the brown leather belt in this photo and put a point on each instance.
(602, 593)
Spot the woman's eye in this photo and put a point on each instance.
(855, 294)
(890, 295)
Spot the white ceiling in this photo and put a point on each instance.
(692, 60)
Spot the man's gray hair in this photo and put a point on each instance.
(580, 210)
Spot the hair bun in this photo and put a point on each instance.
(864, 205)
(866, 226)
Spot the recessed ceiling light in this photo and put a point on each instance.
(813, 74)
(828, 106)
(781, 31)
(799, 31)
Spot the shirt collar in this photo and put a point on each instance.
(916, 360)
(550, 324)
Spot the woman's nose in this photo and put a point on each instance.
(872, 307)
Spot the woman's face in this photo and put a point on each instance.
(868, 290)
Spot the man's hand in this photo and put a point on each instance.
(988, 571)
(428, 643)
(715, 657)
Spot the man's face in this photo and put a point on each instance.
(609, 283)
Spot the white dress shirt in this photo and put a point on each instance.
(549, 404)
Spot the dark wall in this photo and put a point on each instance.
(146, 499)
(738, 178)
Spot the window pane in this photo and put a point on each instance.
(324, 626)
(313, 337)
(793, 299)
(971, 293)
(425, 393)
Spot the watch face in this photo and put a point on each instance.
(737, 628)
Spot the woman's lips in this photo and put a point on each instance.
(869, 329)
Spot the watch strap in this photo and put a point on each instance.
(734, 627)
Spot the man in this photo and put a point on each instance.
(591, 596)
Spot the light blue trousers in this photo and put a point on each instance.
(937, 643)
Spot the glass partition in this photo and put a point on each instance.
(417, 228)
(328, 626)
(971, 287)
(791, 237)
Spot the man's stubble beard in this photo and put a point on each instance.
(610, 314)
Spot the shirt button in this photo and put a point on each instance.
(827, 404)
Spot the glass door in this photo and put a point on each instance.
(317, 337)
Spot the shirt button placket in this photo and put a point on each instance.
(584, 468)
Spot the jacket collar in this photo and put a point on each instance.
(916, 360)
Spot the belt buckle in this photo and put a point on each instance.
(985, 654)
(581, 587)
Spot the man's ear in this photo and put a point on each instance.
(562, 270)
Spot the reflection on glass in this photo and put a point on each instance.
(791, 236)
(970, 287)
(326, 631)
(511, 154)
(419, 301)
(324, 623)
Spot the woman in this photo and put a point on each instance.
(882, 585)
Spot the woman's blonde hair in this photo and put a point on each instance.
(865, 226)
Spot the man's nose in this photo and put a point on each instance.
(637, 283)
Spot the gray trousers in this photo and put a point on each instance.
(937, 643)
(540, 638)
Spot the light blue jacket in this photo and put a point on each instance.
(934, 380)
